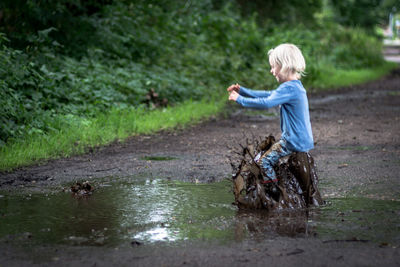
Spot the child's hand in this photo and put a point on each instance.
(234, 87)
(233, 95)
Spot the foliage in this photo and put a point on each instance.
(22, 19)
(180, 54)
(363, 13)
(289, 12)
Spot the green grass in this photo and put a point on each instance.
(331, 78)
(104, 129)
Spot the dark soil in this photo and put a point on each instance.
(357, 153)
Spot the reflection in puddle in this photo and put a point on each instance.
(152, 211)
(156, 234)
(260, 224)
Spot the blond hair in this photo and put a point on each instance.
(289, 58)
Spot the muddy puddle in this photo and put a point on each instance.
(151, 211)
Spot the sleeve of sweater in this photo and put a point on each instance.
(276, 97)
(253, 93)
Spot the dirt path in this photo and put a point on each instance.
(357, 152)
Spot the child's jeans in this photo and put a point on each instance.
(271, 157)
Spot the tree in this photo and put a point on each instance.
(363, 13)
(282, 11)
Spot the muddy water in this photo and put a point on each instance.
(152, 211)
(142, 211)
(360, 219)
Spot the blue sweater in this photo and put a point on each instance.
(294, 114)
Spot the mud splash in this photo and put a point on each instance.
(298, 182)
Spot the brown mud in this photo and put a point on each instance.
(357, 154)
(296, 188)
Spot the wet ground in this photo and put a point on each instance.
(165, 199)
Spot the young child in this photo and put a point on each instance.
(287, 65)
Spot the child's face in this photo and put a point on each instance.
(275, 70)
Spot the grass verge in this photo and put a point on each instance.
(331, 78)
(105, 128)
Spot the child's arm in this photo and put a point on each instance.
(248, 92)
(253, 93)
(276, 97)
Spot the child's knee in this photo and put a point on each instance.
(269, 160)
(272, 157)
